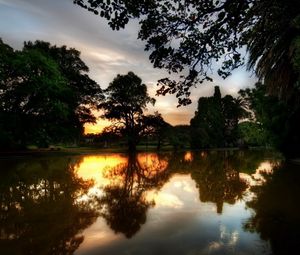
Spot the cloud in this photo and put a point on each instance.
(106, 52)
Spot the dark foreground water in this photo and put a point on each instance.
(189, 203)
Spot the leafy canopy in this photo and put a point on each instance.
(126, 99)
(215, 123)
(188, 36)
(45, 95)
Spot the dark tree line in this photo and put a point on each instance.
(46, 97)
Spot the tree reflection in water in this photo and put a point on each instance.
(218, 180)
(40, 212)
(43, 206)
(124, 205)
(217, 173)
(277, 209)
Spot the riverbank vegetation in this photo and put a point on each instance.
(47, 96)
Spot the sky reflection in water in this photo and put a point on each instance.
(238, 202)
(177, 218)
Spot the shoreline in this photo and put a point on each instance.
(93, 150)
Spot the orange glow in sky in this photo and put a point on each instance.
(96, 128)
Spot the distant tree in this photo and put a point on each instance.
(233, 110)
(110, 136)
(188, 36)
(156, 127)
(215, 123)
(207, 126)
(126, 99)
(39, 102)
(179, 136)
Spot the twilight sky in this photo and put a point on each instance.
(106, 52)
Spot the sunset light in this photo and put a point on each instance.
(149, 127)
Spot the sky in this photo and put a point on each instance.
(106, 52)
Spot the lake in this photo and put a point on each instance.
(206, 202)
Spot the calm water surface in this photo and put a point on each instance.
(238, 202)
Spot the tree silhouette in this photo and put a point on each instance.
(155, 127)
(126, 99)
(188, 36)
(215, 123)
(46, 95)
(86, 93)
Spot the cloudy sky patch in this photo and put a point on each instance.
(106, 52)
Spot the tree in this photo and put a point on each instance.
(207, 126)
(126, 99)
(86, 93)
(215, 123)
(156, 127)
(179, 136)
(233, 110)
(253, 134)
(279, 119)
(42, 99)
(187, 37)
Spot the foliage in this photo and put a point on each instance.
(253, 134)
(156, 128)
(279, 119)
(215, 123)
(179, 136)
(126, 99)
(86, 93)
(44, 95)
(187, 37)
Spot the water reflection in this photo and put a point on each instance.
(38, 209)
(218, 180)
(124, 204)
(276, 208)
(217, 173)
(170, 203)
